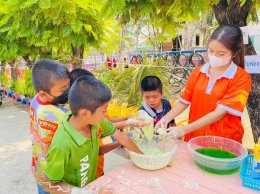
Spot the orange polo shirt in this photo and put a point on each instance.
(100, 167)
(229, 92)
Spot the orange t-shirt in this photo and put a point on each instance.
(229, 92)
(100, 167)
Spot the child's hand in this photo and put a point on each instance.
(129, 117)
(137, 122)
(163, 123)
(104, 190)
(162, 131)
(86, 190)
(176, 132)
(57, 188)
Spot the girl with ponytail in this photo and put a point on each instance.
(217, 91)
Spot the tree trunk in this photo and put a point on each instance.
(3, 64)
(253, 104)
(2, 67)
(204, 27)
(121, 64)
(232, 13)
(77, 57)
(44, 53)
(29, 61)
(14, 70)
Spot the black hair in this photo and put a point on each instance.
(151, 83)
(77, 73)
(231, 37)
(88, 93)
(46, 72)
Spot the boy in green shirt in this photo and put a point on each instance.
(73, 154)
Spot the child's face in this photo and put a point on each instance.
(153, 98)
(59, 87)
(99, 115)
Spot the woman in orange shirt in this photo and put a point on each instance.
(217, 91)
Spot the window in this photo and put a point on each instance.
(197, 40)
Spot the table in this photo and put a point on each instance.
(182, 177)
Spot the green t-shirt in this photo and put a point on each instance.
(72, 158)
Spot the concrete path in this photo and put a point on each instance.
(15, 151)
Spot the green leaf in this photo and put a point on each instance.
(95, 35)
(5, 29)
(67, 31)
(46, 34)
(53, 39)
(42, 43)
(44, 4)
(242, 2)
(77, 26)
(88, 27)
(4, 20)
(27, 3)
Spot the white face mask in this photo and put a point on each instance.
(217, 62)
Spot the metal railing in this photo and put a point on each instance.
(180, 64)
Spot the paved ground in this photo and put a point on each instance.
(15, 151)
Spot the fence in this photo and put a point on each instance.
(180, 64)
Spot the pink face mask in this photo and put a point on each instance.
(217, 62)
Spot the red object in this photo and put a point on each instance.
(16, 97)
(109, 63)
(99, 132)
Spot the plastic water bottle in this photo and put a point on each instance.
(256, 162)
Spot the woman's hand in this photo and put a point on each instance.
(176, 132)
(178, 108)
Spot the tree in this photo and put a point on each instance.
(141, 32)
(202, 27)
(57, 28)
(126, 86)
(16, 34)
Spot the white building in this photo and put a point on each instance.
(254, 34)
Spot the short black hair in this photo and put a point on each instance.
(151, 83)
(88, 93)
(77, 73)
(46, 72)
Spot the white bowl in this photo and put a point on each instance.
(167, 148)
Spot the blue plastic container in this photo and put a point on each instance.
(25, 101)
(10, 94)
(250, 178)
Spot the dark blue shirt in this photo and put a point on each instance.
(157, 114)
